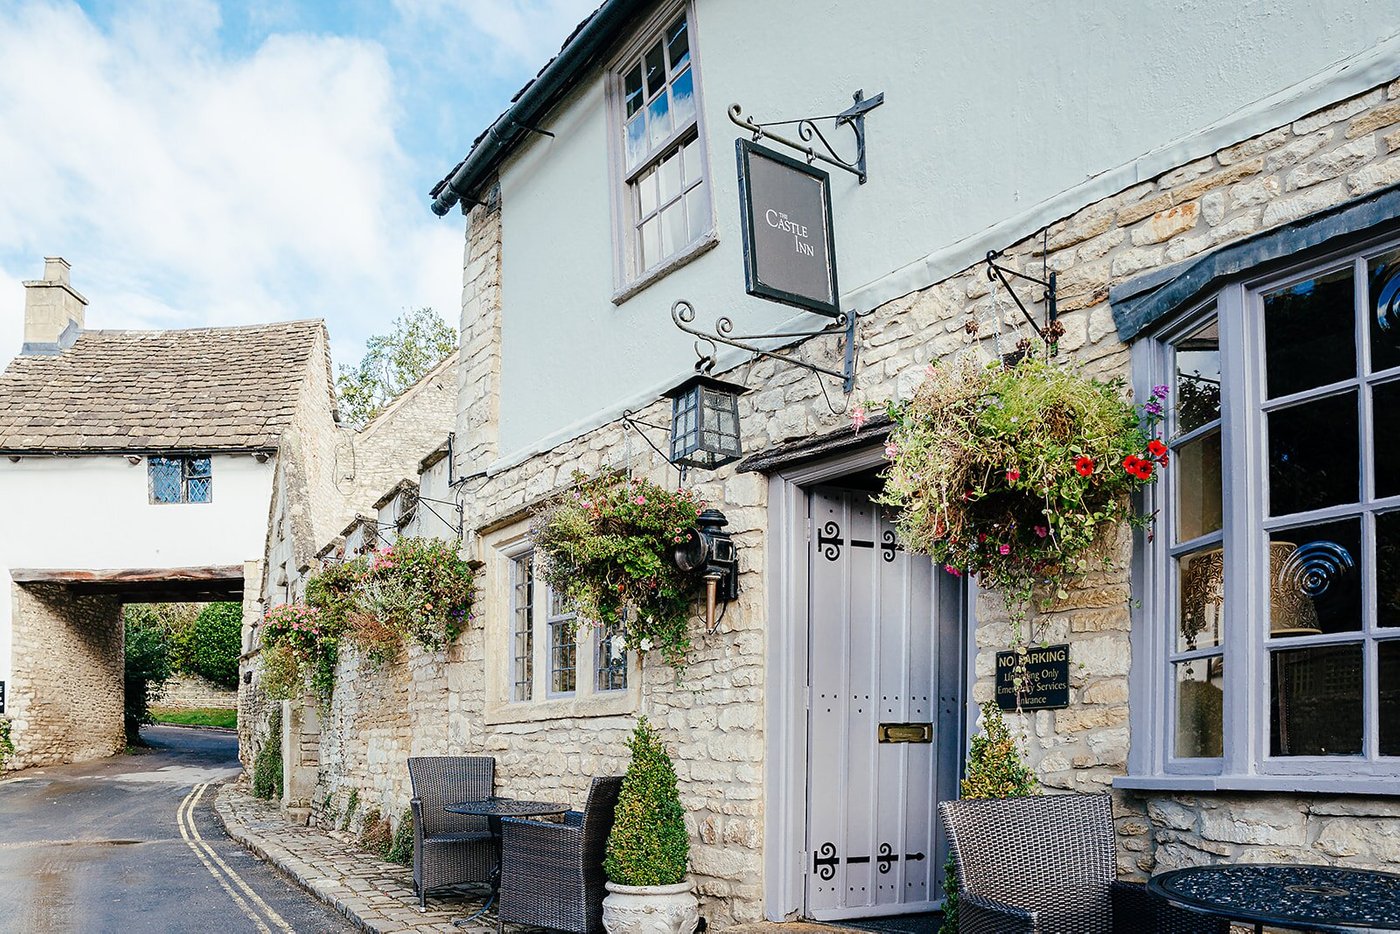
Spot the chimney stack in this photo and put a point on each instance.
(53, 310)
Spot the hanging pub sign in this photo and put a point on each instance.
(1046, 679)
(785, 214)
(2, 696)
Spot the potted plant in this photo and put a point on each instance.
(648, 848)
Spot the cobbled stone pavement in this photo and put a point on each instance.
(375, 895)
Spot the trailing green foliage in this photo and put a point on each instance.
(648, 844)
(147, 666)
(299, 652)
(7, 743)
(421, 589)
(351, 808)
(267, 766)
(393, 362)
(995, 769)
(606, 548)
(401, 847)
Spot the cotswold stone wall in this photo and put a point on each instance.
(67, 707)
(191, 691)
(712, 719)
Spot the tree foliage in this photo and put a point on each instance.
(648, 844)
(203, 639)
(146, 668)
(419, 341)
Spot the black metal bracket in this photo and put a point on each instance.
(683, 313)
(1052, 329)
(807, 129)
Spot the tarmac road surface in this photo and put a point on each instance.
(131, 844)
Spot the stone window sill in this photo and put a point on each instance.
(700, 247)
(1354, 784)
(612, 704)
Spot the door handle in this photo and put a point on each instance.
(905, 733)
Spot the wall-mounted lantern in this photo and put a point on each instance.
(705, 422)
(709, 551)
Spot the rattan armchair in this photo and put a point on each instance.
(450, 849)
(552, 874)
(1047, 864)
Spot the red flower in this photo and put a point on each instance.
(1156, 448)
(1145, 468)
(1085, 465)
(1130, 464)
(1013, 475)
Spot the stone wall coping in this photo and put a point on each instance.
(1316, 784)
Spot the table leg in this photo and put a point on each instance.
(494, 824)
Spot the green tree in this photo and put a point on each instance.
(217, 642)
(995, 769)
(419, 341)
(147, 667)
(648, 844)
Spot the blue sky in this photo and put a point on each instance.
(204, 163)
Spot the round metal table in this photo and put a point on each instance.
(493, 809)
(1326, 899)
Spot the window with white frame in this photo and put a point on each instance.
(664, 200)
(574, 660)
(1274, 603)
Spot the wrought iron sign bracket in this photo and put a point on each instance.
(1051, 331)
(807, 129)
(683, 313)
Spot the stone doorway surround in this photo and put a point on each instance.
(791, 474)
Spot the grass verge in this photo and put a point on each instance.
(199, 716)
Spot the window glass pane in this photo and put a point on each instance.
(1310, 334)
(165, 476)
(1384, 275)
(646, 193)
(1199, 497)
(672, 229)
(651, 243)
(678, 44)
(683, 98)
(655, 67)
(697, 212)
(1312, 455)
(1201, 600)
(632, 90)
(522, 596)
(611, 663)
(199, 480)
(1200, 708)
(1315, 579)
(1388, 569)
(562, 650)
(1385, 429)
(659, 119)
(693, 167)
(669, 173)
(1315, 701)
(1388, 681)
(636, 139)
(1198, 378)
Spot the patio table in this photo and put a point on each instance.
(1326, 899)
(493, 809)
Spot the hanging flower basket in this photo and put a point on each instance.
(606, 550)
(1010, 473)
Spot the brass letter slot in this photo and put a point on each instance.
(906, 732)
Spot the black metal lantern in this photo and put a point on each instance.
(705, 422)
(709, 551)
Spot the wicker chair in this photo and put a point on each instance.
(450, 849)
(1046, 865)
(552, 874)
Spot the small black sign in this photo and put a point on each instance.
(2, 696)
(1046, 678)
(789, 251)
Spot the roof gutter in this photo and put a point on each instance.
(581, 52)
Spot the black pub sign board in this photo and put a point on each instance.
(1046, 684)
(785, 213)
(2, 696)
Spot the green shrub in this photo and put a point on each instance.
(7, 743)
(217, 641)
(147, 665)
(649, 844)
(267, 767)
(995, 769)
(351, 808)
(401, 848)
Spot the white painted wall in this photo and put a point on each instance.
(93, 512)
(999, 118)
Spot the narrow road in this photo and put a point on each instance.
(131, 844)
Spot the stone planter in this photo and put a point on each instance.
(651, 909)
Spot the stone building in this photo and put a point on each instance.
(138, 467)
(1197, 183)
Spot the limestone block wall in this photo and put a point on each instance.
(712, 718)
(191, 691)
(65, 702)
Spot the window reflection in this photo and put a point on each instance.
(1198, 378)
(1313, 455)
(1199, 499)
(1200, 706)
(1310, 334)
(1383, 274)
(1315, 701)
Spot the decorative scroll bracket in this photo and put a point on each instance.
(807, 129)
(1052, 330)
(683, 313)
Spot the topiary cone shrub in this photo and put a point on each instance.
(649, 844)
(995, 769)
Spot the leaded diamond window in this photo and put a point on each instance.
(180, 479)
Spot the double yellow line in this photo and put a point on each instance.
(261, 913)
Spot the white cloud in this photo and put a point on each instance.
(189, 187)
(518, 33)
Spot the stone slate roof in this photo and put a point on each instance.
(196, 389)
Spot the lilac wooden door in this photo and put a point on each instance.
(872, 716)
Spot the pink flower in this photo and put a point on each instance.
(1041, 531)
(1013, 475)
(952, 570)
(1004, 549)
(641, 500)
(891, 450)
(859, 416)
